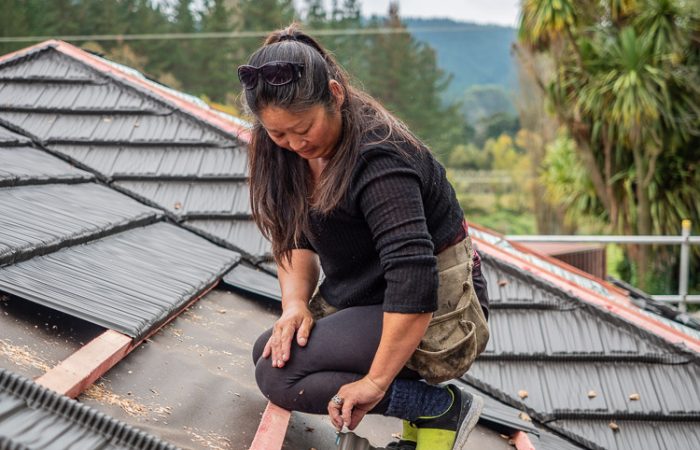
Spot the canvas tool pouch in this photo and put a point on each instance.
(458, 331)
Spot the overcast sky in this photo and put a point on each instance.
(501, 12)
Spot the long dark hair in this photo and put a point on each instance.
(281, 191)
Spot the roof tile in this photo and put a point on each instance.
(62, 215)
(29, 165)
(130, 282)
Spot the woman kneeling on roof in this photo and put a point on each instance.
(335, 177)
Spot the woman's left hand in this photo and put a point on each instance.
(358, 399)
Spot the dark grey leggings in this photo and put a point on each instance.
(340, 350)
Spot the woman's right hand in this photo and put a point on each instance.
(296, 319)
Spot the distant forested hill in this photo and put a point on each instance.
(476, 56)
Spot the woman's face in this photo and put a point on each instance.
(311, 134)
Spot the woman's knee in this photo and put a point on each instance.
(275, 385)
(259, 345)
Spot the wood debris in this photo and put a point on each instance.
(22, 356)
(502, 282)
(524, 416)
(523, 394)
(592, 394)
(209, 439)
(613, 426)
(634, 397)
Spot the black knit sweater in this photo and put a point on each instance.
(379, 244)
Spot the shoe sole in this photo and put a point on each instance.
(468, 423)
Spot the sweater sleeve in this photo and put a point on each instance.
(303, 243)
(389, 196)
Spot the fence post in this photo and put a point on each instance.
(683, 275)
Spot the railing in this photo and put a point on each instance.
(685, 240)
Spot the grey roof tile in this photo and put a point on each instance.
(253, 280)
(160, 162)
(561, 388)
(508, 286)
(241, 234)
(11, 138)
(62, 215)
(85, 97)
(131, 281)
(634, 435)
(22, 165)
(195, 199)
(564, 332)
(134, 129)
(269, 266)
(34, 417)
(46, 64)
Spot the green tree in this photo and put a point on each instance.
(626, 84)
(404, 76)
(217, 72)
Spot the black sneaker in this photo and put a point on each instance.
(401, 445)
(461, 417)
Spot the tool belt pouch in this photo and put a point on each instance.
(458, 331)
(319, 307)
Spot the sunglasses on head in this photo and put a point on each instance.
(275, 73)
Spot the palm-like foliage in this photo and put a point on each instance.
(627, 86)
(542, 21)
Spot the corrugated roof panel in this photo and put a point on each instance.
(569, 332)
(35, 417)
(200, 197)
(61, 213)
(76, 97)
(241, 234)
(562, 387)
(24, 164)
(137, 129)
(8, 137)
(117, 161)
(46, 65)
(130, 282)
(635, 435)
(254, 280)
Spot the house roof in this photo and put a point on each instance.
(128, 174)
